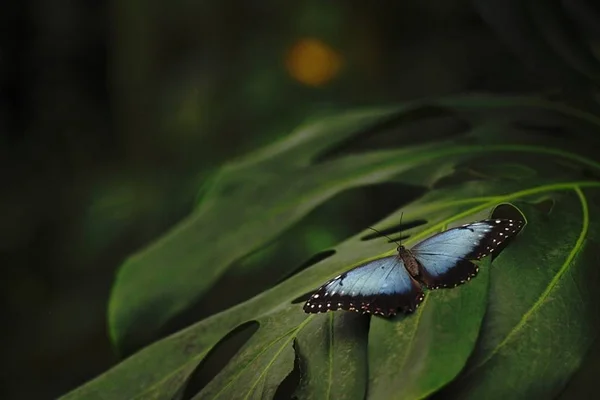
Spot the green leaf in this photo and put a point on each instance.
(541, 317)
(263, 363)
(333, 357)
(415, 357)
(251, 201)
(483, 337)
(162, 369)
(584, 383)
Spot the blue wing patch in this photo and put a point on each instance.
(381, 286)
(471, 241)
(444, 258)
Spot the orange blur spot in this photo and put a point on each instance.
(312, 62)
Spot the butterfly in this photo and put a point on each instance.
(386, 285)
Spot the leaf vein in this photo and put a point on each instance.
(267, 347)
(564, 268)
(330, 356)
(291, 335)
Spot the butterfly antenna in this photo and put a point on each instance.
(391, 240)
(400, 226)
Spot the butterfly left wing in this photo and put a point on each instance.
(444, 258)
(380, 286)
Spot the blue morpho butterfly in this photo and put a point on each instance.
(386, 285)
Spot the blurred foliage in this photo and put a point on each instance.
(558, 38)
(312, 62)
(113, 115)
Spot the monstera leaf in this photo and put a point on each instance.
(521, 328)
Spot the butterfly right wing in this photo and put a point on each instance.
(381, 286)
(444, 257)
(444, 271)
(470, 241)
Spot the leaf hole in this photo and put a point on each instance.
(541, 128)
(288, 386)
(218, 357)
(488, 168)
(508, 211)
(545, 205)
(299, 247)
(590, 174)
(304, 297)
(421, 125)
(317, 258)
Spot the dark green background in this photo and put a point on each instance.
(113, 115)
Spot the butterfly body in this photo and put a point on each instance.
(410, 262)
(386, 285)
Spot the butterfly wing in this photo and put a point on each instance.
(444, 257)
(380, 286)
(442, 271)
